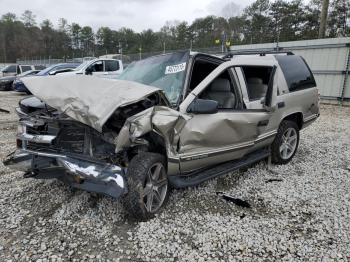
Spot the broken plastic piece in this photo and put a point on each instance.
(236, 201)
(273, 180)
(4, 111)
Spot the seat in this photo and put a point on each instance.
(256, 88)
(220, 91)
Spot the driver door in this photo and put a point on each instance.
(229, 133)
(96, 68)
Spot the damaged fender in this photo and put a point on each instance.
(162, 120)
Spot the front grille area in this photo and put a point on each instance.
(71, 137)
(71, 140)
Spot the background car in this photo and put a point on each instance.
(15, 69)
(19, 86)
(6, 83)
(108, 68)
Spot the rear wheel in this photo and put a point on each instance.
(147, 184)
(286, 142)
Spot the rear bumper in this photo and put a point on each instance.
(89, 175)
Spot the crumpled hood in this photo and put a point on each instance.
(89, 100)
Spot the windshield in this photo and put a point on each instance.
(82, 65)
(46, 70)
(56, 67)
(165, 71)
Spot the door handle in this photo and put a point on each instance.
(281, 104)
(263, 122)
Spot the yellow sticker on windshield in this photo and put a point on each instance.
(175, 68)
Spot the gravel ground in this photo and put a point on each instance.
(299, 211)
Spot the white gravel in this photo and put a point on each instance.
(303, 214)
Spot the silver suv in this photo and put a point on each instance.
(173, 120)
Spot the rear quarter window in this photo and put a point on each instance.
(111, 65)
(296, 72)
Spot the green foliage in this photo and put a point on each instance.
(262, 21)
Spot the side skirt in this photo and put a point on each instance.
(198, 177)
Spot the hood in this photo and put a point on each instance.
(87, 99)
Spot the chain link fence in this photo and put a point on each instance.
(126, 58)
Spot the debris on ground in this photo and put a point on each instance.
(305, 217)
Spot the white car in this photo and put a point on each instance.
(15, 69)
(108, 68)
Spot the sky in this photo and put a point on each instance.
(135, 14)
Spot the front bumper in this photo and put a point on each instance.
(85, 174)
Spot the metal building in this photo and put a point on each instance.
(328, 59)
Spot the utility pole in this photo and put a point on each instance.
(323, 23)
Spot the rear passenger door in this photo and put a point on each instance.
(230, 133)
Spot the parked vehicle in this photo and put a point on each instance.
(6, 83)
(108, 68)
(19, 86)
(173, 120)
(13, 70)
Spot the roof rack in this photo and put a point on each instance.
(261, 53)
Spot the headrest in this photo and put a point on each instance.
(220, 85)
(254, 80)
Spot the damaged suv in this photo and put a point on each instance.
(173, 120)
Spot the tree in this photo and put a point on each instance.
(339, 19)
(87, 40)
(28, 18)
(8, 17)
(75, 31)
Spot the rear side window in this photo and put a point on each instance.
(111, 65)
(39, 67)
(296, 72)
(26, 68)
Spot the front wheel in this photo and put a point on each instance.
(148, 187)
(286, 142)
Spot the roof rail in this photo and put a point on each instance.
(261, 53)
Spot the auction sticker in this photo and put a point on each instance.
(175, 68)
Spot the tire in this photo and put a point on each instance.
(147, 194)
(286, 142)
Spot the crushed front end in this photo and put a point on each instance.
(52, 145)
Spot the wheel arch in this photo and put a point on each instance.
(158, 144)
(296, 117)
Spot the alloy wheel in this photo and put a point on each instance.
(289, 143)
(155, 189)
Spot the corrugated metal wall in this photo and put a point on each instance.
(327, 58)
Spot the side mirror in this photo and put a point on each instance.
(52, 73)
(5, 71)
(203, 106)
